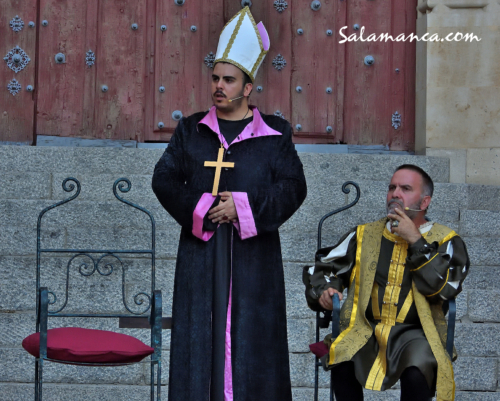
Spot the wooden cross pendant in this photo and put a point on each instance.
(218, 166)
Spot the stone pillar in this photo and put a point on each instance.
(458, 88)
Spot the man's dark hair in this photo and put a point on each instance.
(428, 189)
(246, 80)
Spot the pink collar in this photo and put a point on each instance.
(257, 127)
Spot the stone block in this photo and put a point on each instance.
(300, 334)
(16, 185)
(371, 167)
(100, 188)
(483, 306)
(94, 293)
(296, 305)
(477, 340)
(18, 275)
(480, 396)
(483, 278)
(458, 162)
(476, 374)
(480, 223)
(483, 251)
(483, 197)
(83, 214)
(74, 160)
(302, 371)
(483, 164)
(21, 240)
(19, 367)
(462, 303)
(78, 392)
(307, 394)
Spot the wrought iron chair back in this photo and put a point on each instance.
(334, 315)
(100, 263)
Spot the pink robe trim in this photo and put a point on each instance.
(199, 213)
(246, 227)
(256, 128)
(228, 368)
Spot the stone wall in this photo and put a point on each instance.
(457, 102)
(31, 180)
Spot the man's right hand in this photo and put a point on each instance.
(325, 300)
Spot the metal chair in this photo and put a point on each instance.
(147, 311)
(323, 319)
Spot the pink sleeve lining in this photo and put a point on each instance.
(246, 226)
(199, 213)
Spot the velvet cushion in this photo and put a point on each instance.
(319, 349)
(73, 344)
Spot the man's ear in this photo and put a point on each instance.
(248, 89)
(426, 201)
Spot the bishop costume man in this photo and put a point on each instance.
(230, 177)
(398, 272)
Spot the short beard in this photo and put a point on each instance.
(232, 105)
(394, 203)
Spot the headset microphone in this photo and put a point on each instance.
(414, 210)
(236, 98)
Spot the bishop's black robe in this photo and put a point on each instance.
(269, 174)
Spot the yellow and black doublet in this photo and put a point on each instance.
(392, 317)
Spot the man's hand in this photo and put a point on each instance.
(225, 211)
(406, 229)
(325, 300)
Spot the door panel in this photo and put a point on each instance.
(64, 89)
(179, 60)
(17, 110)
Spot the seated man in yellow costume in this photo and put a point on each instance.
(398, 271)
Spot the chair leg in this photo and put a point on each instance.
(332, 396)
(158, 389)
(40, 381)
(152, 379)
(36, 379)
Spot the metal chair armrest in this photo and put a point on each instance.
(335, 316)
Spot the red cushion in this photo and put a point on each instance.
(319, 349)
(74, 344)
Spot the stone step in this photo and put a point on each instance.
(54, 392)
(123, 161)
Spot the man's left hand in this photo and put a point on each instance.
(406, 229)
(225, 212)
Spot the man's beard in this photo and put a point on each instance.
(232, 105)
(396, 203)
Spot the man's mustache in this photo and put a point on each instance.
(398, 202)
(219, 93)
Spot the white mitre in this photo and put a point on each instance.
(243, 43)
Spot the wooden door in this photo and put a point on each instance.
(98, 91)
(17, 47)
(190, 32)
(317, 78)
(376, 93)
(131, 68)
